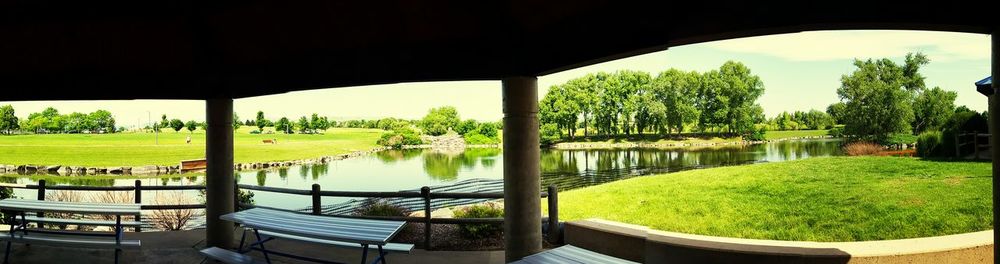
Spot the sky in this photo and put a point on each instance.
(800, 71)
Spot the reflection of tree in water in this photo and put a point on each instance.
(283, 173)
(80, 182)
(605, 165)
(261, 177)
(319, 169)
(303, 171)
(444, 166)
(394, 155)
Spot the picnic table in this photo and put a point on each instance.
(268, 224)
(20, 233)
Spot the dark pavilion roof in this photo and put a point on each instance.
(160, 49)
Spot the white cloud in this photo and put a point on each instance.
(834, 45)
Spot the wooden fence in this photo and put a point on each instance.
(974, 138)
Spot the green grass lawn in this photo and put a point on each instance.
(817, 199)
(794, 133)
(135, 149)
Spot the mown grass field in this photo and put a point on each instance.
(136, 149)
(794, 133)
(817, 199)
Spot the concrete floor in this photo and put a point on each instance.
(183, 246)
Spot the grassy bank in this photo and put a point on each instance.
(134, 149)
(771, 135)
(818, 199)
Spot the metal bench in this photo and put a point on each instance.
(569, 254)
(84, 222)
(20, 233)
(226, 256)
(365, 234)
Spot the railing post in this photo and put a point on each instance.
(553, 200)
(317, 206)
(426, 193)
(958, 144)
(236, 196)
(41, 194)
(975, 143)
(138, 200)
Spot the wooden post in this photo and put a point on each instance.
(554, 235)
(317, 206)
(426, 193)
(975, 143)
(138, 200)
(41, 194)
(958, 145)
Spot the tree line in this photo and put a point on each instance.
(674, 101)
(51, 121)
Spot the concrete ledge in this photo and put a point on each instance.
(623, 240)
(608, 237)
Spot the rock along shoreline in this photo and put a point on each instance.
(155, 170)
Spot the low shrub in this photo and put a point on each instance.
(255, 132)
(380, 207)
(836, 131)
(474, 138)
(172, 220)
(477, 231)
(399, 138)
(756, 135)
(5, 216)
(550, 134)
(862, 148)
(929, 144)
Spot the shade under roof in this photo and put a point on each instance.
(76, 50)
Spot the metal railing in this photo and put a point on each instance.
(316, 192)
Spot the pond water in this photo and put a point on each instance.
(411, 169)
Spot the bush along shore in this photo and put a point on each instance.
(153, 170)
(589, 145)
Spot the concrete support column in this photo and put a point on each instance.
(521, 172)
(994, 110)
(219, 176)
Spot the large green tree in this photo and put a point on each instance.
(191, 125)
(678, 92)
(101, 121)
(284, 125)
(8, 120)
(932, 108)
(878, 96)
(439, 120)
(837, 111)
(735, 90)
(304, 125)
(176, 124)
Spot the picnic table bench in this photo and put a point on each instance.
(20, 232)
(569, 254)
(267, 225)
